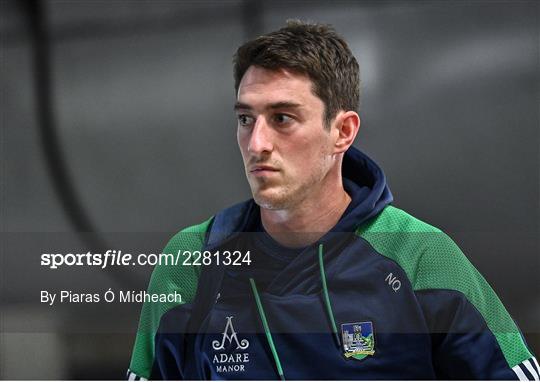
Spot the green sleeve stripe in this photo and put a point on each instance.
(432, 260)
(166, 279)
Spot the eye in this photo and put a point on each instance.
(245, 120)
(282, 119)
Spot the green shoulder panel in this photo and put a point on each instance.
(166, 279)
(432, 260)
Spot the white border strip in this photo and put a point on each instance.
(521, 375)
(536, 364)
(531, 370)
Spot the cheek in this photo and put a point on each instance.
(242, 141)
(304, 156)
(310, 157)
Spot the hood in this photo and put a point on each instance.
(366, 184)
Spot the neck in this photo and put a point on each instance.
(308, 221)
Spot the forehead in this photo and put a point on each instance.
(260, 85)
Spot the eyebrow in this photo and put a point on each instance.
(272, 106)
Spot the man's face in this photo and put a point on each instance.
(287, 152)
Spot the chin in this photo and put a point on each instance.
(271, 202)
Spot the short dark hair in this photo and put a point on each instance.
(315, 50)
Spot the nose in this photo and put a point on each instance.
(260, 141)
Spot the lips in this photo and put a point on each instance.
(263, 170)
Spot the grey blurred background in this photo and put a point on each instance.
(116, 119)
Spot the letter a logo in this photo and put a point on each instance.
(230, 335)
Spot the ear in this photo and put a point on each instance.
(346, 125)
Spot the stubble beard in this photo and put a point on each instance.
(290, 194)
(287, 196)
(281, 200)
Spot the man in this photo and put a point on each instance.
(332, 282)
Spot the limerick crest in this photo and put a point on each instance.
(358, 339)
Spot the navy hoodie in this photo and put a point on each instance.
(382, 295)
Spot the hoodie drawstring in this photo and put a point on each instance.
(267, 329)
(327, 297)
(265, 322)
